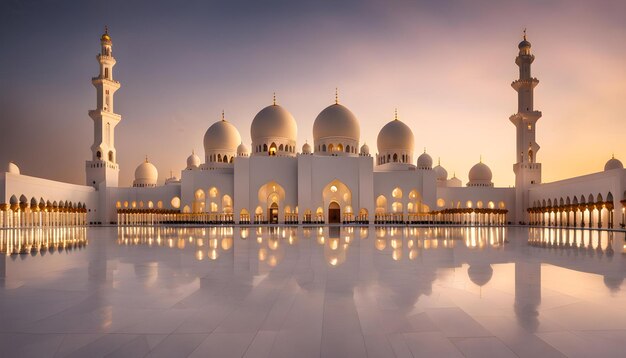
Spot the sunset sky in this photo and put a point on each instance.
(446, 65)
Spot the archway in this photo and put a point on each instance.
(334, 213)
(273, 213)
(338, 193)
(271, 193)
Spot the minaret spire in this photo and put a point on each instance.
(527, 169)
(103, 168)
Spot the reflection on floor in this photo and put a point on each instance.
(326, 291)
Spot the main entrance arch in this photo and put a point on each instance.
(272, 199)
(337, 195)
(273, 213)
(334, 213)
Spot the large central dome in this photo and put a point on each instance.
(336, 121)
(273, 122)
(336, 131)
(395, 136)
(274, 132)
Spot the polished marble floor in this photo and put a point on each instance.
(312, 292)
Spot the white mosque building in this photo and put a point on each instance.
(333, 180)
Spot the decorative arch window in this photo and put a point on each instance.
(340, 147)
(265, 147)
(272, 151)
(323, 147)
(98, 154)
(219, 158)
(110, 156)
(106, 73)
(395, 157)
(331, 147)
(281, 148)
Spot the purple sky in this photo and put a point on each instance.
(447, 67)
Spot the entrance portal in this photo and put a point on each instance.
(274, 213)
(334, 213)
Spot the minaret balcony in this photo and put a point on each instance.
(99, 113)
(101, 80)
(524, 83)
(525, 117)
(106, 59)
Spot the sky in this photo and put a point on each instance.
(445, 65)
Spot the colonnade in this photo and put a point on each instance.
(590, 215)
(468, 216)
(161, 216)
(41, 215)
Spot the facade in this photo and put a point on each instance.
(334, 180)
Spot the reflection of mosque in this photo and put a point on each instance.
(396, 256)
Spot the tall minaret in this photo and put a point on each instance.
(103, 168)
(527, 170)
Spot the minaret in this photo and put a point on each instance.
(103, 168)
(527, 170)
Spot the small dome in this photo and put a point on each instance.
(306, 148)
(13, 168)
(221, 136)
(424, 161)
(613, 164)
(441, 172)
(524, 44)
(273, 122)
(336, 121)
(365, 149)
(395, 135)
(193, 161)
(146, 174)
(242, 150)
(480, 175)
(105, 36)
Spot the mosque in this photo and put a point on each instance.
(334, 180)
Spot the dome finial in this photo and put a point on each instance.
(274, 99)
(222, 114)
(193, 151)
(613, 156)
(146, 158)
(424, 149)
(336, 95)
(438, 160)
(524, 34)
(481, 158)
(106, 30)
(395, 114)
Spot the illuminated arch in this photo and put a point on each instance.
(272, 193)
(337, 191)
(381, 204)
(227, 204)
